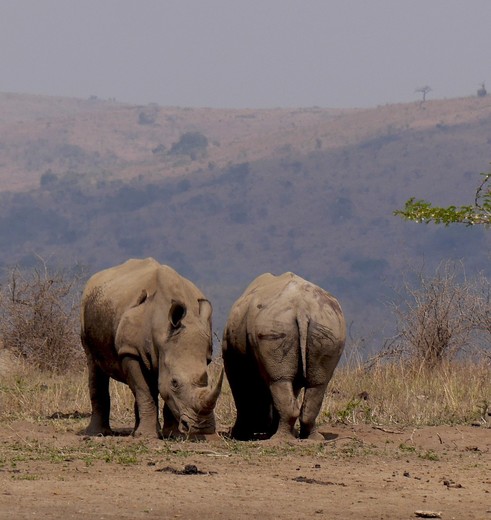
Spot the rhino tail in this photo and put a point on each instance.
(303, 326)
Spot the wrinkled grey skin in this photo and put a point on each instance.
(283, 334)
(145, 325)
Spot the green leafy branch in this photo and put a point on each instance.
(477, 214)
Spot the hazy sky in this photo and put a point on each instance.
(246, 53)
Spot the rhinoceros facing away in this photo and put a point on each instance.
(283, 334)
(145, 325)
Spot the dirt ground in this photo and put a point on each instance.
(49, 470)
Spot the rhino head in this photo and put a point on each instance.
(184, 353)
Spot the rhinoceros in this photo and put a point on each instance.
(145, 325)
(283, 334)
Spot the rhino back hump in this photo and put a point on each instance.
(111, 292)
(272, 306)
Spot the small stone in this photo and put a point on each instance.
(428, 514)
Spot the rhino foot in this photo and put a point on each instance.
(316, 436)
(147, 434)
(98, 432)
(284, 435)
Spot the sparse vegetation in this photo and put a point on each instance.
(391, 394)
(39, 318)
(193, 144)
(48, 179)
(148, 116)
(400, 394)
(442, 317)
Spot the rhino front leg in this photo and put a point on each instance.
(312, 402)
(99, 399)
(286, 405)
(171, 426)
(146, 399)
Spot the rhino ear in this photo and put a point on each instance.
(177, 312)
(142, 298)
(205, 309)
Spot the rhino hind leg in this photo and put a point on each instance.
(100, 401)
(312, 402)
(286, 407)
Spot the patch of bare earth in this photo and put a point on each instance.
(48, 470)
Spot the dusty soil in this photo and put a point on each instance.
(49, 470)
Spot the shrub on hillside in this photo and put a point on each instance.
(193, 144)
(39, 318)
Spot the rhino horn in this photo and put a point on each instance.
(211, 396)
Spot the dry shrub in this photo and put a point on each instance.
(480, 318)
(442, 317)
(39, 319)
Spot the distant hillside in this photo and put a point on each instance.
(224, 195)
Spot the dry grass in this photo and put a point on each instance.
(386, 394)
(30, 394)
(456, 392)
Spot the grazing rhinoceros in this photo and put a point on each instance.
(145, 325)
(283, 334)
